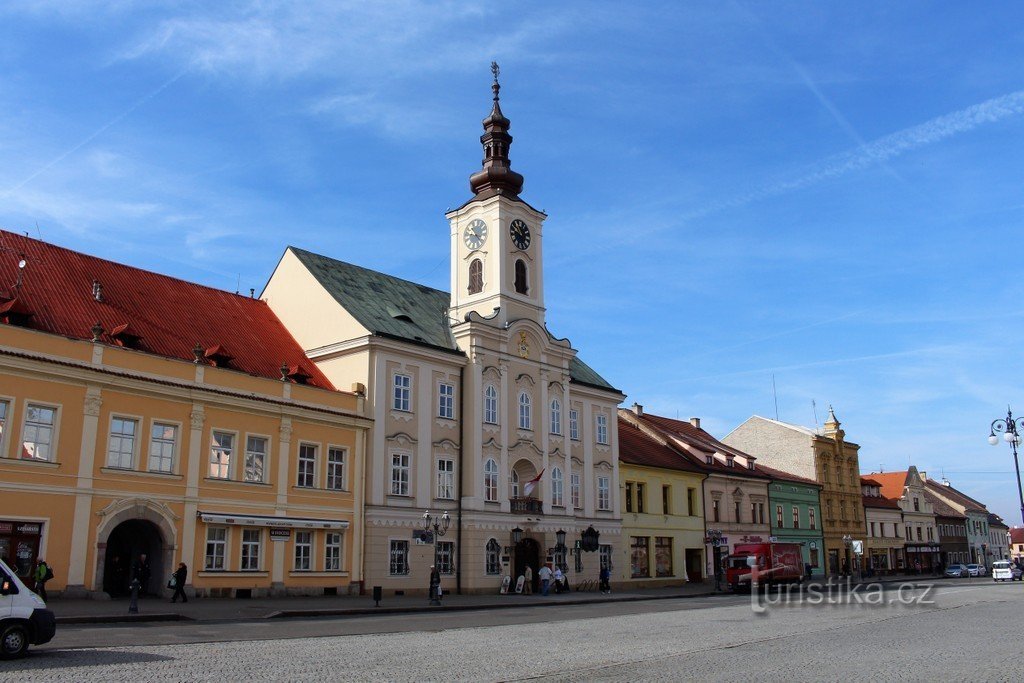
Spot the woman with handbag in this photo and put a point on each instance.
(178, 579)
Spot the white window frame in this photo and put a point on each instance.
(333, 547)
(250, 453)
(5, 420)
(556, 416)
(119, 439)
(401, 394)
(444, 470)
(601, 420)
(446, 400)
(301, 462)
(51, 429)
(398, 548)
(557, 487)
(154, 440)
(574, 424)
(525, 411)
(514, 484)
(445, 557)
(574, 489)
(302, 551)
(491, 480)
(490, 405)
(604, 493)
(216, 543)
(245, 562)
(336, 481)
(215, 466)
(401, 465)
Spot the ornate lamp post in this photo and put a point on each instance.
(561, 549)
(439, 525)
(1011, 430)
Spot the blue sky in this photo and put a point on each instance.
(824, 193)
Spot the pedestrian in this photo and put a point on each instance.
(528, 581)
(140, 572)
(846, 567)
(807, 570)
(180, 576)
(605, 579)
(42, 574)
(917, 566)
(559, 580)
(435, 583)
(545, 579)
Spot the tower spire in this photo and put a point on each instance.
(496, 177)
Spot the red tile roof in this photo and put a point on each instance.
(637, 448)
(892, 483)
(1017, 535)
(960, 497)
(941, 507)
(785, 476)
(157, 314)
(701, 441)
(868, 481)
(880, 502)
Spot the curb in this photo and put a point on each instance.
(122, 618)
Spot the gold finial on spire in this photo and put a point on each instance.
(495, 87)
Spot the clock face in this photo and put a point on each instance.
(520, 234)
(475, 234)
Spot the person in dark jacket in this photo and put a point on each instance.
(180, 576)
(140, 572)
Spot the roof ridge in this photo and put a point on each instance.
(369, 270)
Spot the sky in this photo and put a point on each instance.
(753, 208)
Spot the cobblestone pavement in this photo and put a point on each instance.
(953, 638)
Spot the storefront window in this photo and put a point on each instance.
(19, 545)
(663, 555)
(639, 557)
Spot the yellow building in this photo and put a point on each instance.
(143, 415)
(662, 512)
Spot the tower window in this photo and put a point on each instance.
(476, 276)
(521, 284)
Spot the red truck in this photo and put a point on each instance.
(776, 563)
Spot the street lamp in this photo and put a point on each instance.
(517, 535)
(439, 525)
(1011, 430)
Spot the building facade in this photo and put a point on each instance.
(140, 414)
(662, 512)
(1016, 544)
(883, 530)
(921, 541)
(977, 518)
(999, 539)
(794, 506)
(824, 456)
(951, 527)
(478, 410)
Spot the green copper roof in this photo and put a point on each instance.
(393, 307)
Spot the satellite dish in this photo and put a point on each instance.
(21, 263)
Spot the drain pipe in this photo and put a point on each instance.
(458, 514)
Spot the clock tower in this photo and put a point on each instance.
(497, 244)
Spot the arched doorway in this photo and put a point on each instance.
(528, 553)
(127, 542)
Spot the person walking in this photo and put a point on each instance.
(42, 574)
(559, 580)
(180, 576)
(545, 579)
(528, 581)
(435, 583)
(605, 579)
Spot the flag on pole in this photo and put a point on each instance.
(529, 486)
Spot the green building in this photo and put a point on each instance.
(795, 515)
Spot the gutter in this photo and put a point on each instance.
(458, 513)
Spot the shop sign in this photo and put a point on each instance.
(28, 529)
(278, 534)
(6, 527)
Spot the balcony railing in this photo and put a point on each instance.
(526, 506)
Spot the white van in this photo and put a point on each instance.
(1002, 570)
(24, 619)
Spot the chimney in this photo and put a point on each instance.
(638, 409)
(695, 421)
(97, 290)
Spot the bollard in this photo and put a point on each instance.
(133, 604)
(377, 594)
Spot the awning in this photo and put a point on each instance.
(270, 521)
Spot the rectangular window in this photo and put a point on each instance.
(3, 424)
(492, 560)
(216, 548)
(753, 513)
(400, 474)
(39, 425)
(332, 551)
(556, 488)
(640, 503)
(490, 405)
(814, 557)
(760, 513)
(715, 514)
(121, 449)
(736, 510)
(778, 516)
(161, 447)
(930, 534)
(872, 529)
(639, 560)
(306, 476)
(811, 522)
(605, 553)
(399, 558)
(445, 557)
(403, 393)
(796, 517)
(574, 489)
(666, 500)
(446, 478)
(303, 551)
(574, 425)
(336, 469)
(603, 494)
(252, 543)
(917, 505)
(602, 428)
(556, 417)
(255, 459)
(220, 455)
(663, 556)
(691, 502)
(446, 401)
(629, 496)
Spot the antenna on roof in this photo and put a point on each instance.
(814, 407)
(775, 394)
(238, 284)
(38, 232)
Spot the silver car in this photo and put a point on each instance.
(976, 570)
(957, 570)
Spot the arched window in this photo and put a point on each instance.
(524, 411)
(522, 286)
(556, 487)
(476, 276)
(556, 416)
(515, 484)
(491, 405)
(491, 480)
(492, 554)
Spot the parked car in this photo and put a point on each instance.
(976, 570)
(957, 570)
(24, 619)
(1002, 570)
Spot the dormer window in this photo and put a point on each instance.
(750, 464)
(124, 335)
(710, 460)
(295, 373)
(218, 356)
(729, 461)
(15, 312)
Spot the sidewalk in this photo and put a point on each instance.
(236, 609)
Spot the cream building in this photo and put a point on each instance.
(478, 410)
